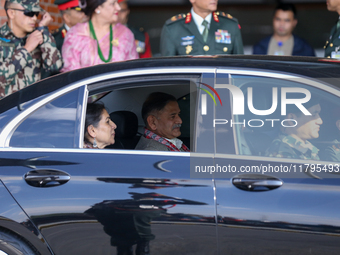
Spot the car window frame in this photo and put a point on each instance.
(313, 82)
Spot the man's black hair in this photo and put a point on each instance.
(155, 102)
(286, 7)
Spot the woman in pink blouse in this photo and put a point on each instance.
(100, 40)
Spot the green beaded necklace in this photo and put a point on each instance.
(99, 50)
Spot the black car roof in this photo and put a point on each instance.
(305, 66)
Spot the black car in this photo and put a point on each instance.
(231, 194)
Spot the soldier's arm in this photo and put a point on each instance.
(238, 49)
(52, 61)
(168, 48)
(10, 67)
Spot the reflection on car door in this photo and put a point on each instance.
(273, 213)
(88, 201)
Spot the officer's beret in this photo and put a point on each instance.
(66, 4)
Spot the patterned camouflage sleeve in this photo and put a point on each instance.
(52, 61)
(279, 149)
(10, 67)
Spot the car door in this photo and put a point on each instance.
(91, 201)
(268, 204)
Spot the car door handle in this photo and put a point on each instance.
(46, 178)
(256, 182)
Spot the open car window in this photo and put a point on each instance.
(124, 100)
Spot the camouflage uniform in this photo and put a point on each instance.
(290, 147)
(18, 67)
(331, 152)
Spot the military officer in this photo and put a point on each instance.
(293, 142)
(141, 37)
(332, 46)
(71, 13)
(202, 31)
(25, 50)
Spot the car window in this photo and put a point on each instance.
(280, 120)
(124, 104)
(51, 126)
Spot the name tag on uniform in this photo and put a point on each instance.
(335, 54)
(6, 42)
(187, 43)
(222, 36)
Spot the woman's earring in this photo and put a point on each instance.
(97, 11)
(94, 143)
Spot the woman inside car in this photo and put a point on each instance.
(99, 128)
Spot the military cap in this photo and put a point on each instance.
(31, 5)
(69, 4)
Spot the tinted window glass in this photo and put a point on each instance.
(279, 120)
(51, 126)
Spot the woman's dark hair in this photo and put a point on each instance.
(91, 6)
(93, 116)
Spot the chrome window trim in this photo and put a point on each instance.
(82, 119)
(102, 151)
(109, 151)
(8, 130)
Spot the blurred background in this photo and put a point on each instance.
(254, 16)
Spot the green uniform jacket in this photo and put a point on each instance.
(20, 68)
(180, 36)
(333, 43)
(59, 37)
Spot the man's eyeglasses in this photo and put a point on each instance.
(26, 12)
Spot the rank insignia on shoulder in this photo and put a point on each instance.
(175, 18)
(226, 15)
(215, 17)
(188, 18)
(63, 33)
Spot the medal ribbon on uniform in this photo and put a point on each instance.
(99, 50)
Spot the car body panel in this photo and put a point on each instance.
(83, 201)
